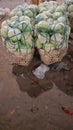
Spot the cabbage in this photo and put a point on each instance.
(28, 13)
(70, 15)
(14, 34)
(25, 49)
(50, 6)
(13, 24)
(19, 13)
(40, 17)
(68, 2)
(4, 31)
(59, 27)
(70, 8)
(42, 9)
(48, 14)
(49, 47)
(19, 10)
(26, 18)
(14, 18)
(43, 37)
(57, 15)
(34, 9)
(60, 8)
(24, 26)
(19, 47)
(10, 22)
(27, 35)
(56, 38)
(62, 19)
(51, 9)
(11, 46)
(38, 44)
(42, 26)
(13, 21)
(28, 41)
(50, 21)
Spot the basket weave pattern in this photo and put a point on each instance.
(22, 59)
(53, 56)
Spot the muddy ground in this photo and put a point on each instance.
(34, 86)
(27, 103)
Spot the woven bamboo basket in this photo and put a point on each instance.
(22, 59)
(53, 56)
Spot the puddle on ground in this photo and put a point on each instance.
(34, 87)
(30, 84)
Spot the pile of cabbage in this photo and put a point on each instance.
(51, 26)
(46, 25)
(17, 30)
(69, 6)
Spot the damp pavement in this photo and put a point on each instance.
(35, 105)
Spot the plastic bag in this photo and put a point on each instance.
(40, 71)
